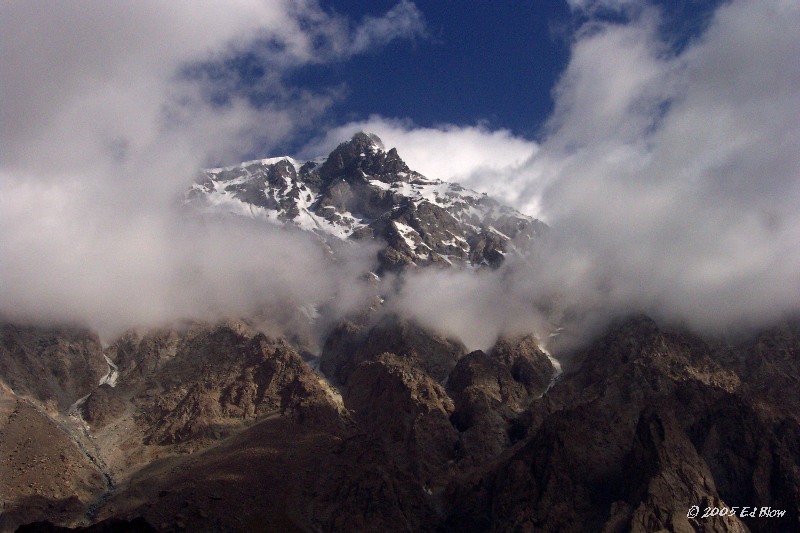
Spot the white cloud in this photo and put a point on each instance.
(678, 183)
(671, 182)
(474, 306)
(403, 20)
(610, 92)
(102, 130)
(80, 77)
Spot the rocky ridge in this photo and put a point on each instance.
(652, 422)
(362, 192)
(219, 427)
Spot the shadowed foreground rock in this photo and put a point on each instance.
(650, 424)
(137, 525)
(228, 430)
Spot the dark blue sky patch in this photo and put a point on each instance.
(480, 62)
(684, 21)
(490, 62)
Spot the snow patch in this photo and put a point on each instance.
(111, 376)
(309, 311)
(264, 162)
(405, 231)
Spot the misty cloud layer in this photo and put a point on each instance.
(671, 180)
(102, 135)
(671, 183)
(675, 175)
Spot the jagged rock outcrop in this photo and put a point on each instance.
(400, 404)
(178, 390)
(235, 378)
(350, 344)
(641, 431)
(647, 423)
(528, 364)
(202, 382)
(139, 357)
(53, 365)
(102, 406)
(491, 391)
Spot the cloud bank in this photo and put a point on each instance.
(671, 182)
(675, 177)
(670, 178)
(105, 122)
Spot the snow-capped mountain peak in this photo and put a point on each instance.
(362, 191)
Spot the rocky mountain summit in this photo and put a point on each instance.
(361, 192)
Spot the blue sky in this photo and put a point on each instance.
(466, 63)
(493, 62)
(478, 61)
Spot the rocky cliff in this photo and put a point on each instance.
(218, 426)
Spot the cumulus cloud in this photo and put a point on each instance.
(82, 79)
(670, 181)
(104, 126)
(682, 194)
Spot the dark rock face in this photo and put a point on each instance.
(361, 488)
(55, 366)
(364, 153)
(351, 344)
(264, 377)
(480, 387)
(528, 364)
(648, 423)
(648, 426)
(137, 525)
(492, 391)
(397, 402)
(103, 405)
(361, 191)
(209, 380)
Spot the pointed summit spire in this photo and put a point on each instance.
(365, 140)
(375, 139)
(364, 152)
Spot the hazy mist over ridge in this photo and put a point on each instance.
(670, 180)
